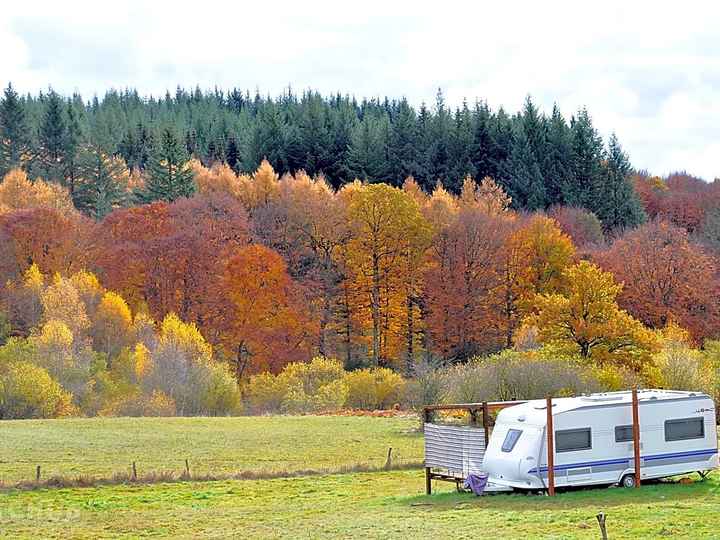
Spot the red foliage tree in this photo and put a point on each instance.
(55, 241)
(666, 278)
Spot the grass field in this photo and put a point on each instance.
(366, 505)
(359, 505)
(103, 446)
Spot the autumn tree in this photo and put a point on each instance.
(264, 325)
(17, 192)
(581, 225)
(666, 278)
(461, 285)
(55, 241)
(111, 325)
(586, 320)
(385, 223)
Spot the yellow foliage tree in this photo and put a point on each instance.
(586, 320)
(389, 236)
(61, 301)
(111, 326)
(17, 192)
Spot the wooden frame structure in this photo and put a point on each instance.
(484, 409)
(487, 407)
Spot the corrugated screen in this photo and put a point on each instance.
(458, 449)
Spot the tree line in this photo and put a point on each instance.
(539, 160)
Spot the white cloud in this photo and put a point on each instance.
(648, 70)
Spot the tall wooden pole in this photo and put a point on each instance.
(427, 416)
(550, 448)
(486, 422)
(636, 435)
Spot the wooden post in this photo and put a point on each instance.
(636, 435)
(134, 471)
(187, 468)
(601, 522)
(37, 474)
(486, 421)
(388, 461)
(550, 448)
(428, 479)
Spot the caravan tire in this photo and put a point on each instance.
(628, 481)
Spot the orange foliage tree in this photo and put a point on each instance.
(264, 326)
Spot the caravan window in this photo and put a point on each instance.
(684, 428)
(569, 440)
(511, 440)
(623, 434)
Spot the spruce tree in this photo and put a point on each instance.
(52, 138)
(404, 155)
(461, 149)
(587, 153)
(523, 173)
(619, 206)
(557, 165)
(71, 147)
(101, 185)
(14, 132)
(169, 176)
(232, 154)
(482, 142)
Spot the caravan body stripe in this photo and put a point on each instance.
(624, 461)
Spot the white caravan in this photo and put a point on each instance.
(594, 439)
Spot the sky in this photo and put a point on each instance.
(649, 71)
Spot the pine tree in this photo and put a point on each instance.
(461, 149)
(71, 145)
(52, 138)
(587, 153)
(557, 165)
(619, 205)
(404, 155)
(169, 176)
(102, 183)
(482, 142)
(523, 173)
(232, 154)
(14, 133)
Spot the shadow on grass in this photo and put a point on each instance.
(595, 497)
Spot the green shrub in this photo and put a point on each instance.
(221, 395)
(28, 391)
(265, 393)
(374, 388)
(300, 388)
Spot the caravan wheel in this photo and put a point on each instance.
(628, 481)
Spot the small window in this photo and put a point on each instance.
(511, 440)
(569, 440)
(623, 434)
(684, 429)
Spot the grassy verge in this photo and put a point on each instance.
(367, 505)
(214, 447)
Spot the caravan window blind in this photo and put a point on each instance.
(685, 428)
(623, 434)
(569, 440)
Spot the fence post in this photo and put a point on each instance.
(550, 448)
(428, 478)
(37, 474)
(636, 434)
(486, 421)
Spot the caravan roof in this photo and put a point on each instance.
(534, 412)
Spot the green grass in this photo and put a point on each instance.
(104, 446)
(366, 505)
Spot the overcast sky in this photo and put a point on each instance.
(649, 71)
